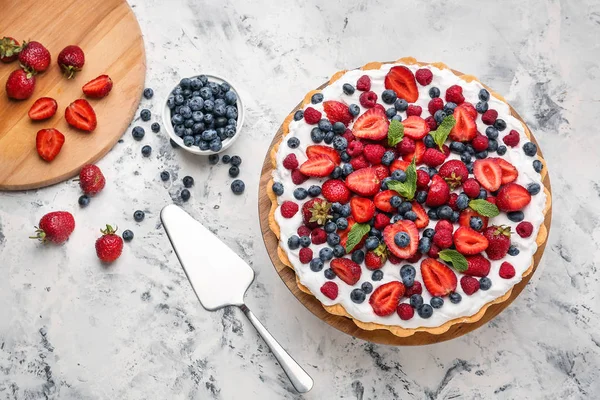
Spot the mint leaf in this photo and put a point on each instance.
(357, 232)
(395, 133)
(484, 207)
(407, 188)
(458, 261)
(441, 133)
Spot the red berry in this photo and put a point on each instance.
(394, 259)
(431, 123)
(318, 236)
(349, 136)
(452, 201)
(454, 95)
(373, 153)
(524, 229)
(416, 288)
(433, 251)
(355, 148)
(290, 161)
(405, 311)
(306, 254)
(312, 116)
(381, 221)
(422, 179)
(330, 290)
(415, 257)
(382, 172)
(289, 209)
(433, 157)
(359, 162)
(424, 76)
(480, 143)
(363, 83)
(469, 285)
(368, 99)
(435, 104)
(55, 227)
(335, 190)
(91, 179)
(109, 246)
(298, 177)
(414, 110)
(443, 238)
(406, 146)
(489, 117)
(491, 199)
(444, 225)
(507, 271)
(303, 231)
(471, 188)
(512, 139)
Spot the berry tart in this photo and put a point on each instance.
(407, 197)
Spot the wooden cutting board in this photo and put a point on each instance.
(110, 36)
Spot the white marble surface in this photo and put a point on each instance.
(73, 329)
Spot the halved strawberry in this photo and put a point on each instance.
(81, 115)
(466, 128)
(438, 278)
(512, 197)
(363, 182)
(43, 108)
(400, 164)
(372, 125)
(98, 87)
(415, 127)
(48, 143)
(465, 218)
(335, 190)
(422, 218)
(384, 299)
(402, 81)
(317, 166)
(509, 172)
(439, 192)
(362, 209)
(390, 232)
(346, 269)
(382, 172)
(337, 112)
(469, 241)
(382, 200)
(319, 150)
(418, 154)
(488, 173)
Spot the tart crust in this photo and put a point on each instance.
(338, 309)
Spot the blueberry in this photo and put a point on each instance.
(513, 250)
(342, 223)
(138, 132)
(214, 87)
(372, 243)
(127, 234)
(485, 283)
(465, 157)
(333, 239)
(339, 251)
(396, 218)
(395, 201)
(425, 311)
(329, 274)
(209, 106)
(457, 147)
(304, 241)
(213, 159)
(195, 84)
(298, 115)
(481, 155)
(220, 122)
(236, 160)
(188, 123)
(230, 97)
(326, 254)
(390, 112)
(375, 232)
(530, 149)
(205, 93)
(238, 186)
(348, 89)
(231, 112)
(225, 87)
(533, 188)
(407, 270)
(208, 135)
(336, 173)
(179, 100)
(424, 244)
(277, 186)
(516, 216)
(84, 200)
(336, 207)
(384, 183)
(455, 297)
(491, 132)
(293, 242)
(410, 215)
(436, 302)
(444, 212)
(196, 104)
(293, 142)
(500, 124)
(469, 149)
(203, 145)
(316, 264)
(339, 128)
(377, 275)
(226, 159)
(345, 157)
(146, 150)
(164, 176)
(185, 83)
(155, 127)
(347, 169)
(357, 296)
(171, 102)
(234, 171)
(148, 93)
(434, 92)
(358, 256)
(405, 207)
(230, 131)
(449, 108)
(429, 142)
(455, 216)
(209, 120)
(219, 111)
(484, 95)
(188, 140)
(432, 214)
(325, 125)
(354, 109)
(300, 193)
(388, 96)
(421, 196)
(185, 111)
(400, 105)
(345, 210)
(139, 216)
(399, 175)
(416, 300)
(476, 223)
(314, 191)
(330, 227)
(316, 135)
(462, 201)
(428, 233)
(316, 98)
(439, 116)
(340, 143)
(388, 157)
(401, 239)
(538, 166)
(203, 79)
(482, 194)
(492, 145)
(481, 107)
(397, 117)
(502, 150)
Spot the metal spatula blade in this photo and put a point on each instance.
(220, 278)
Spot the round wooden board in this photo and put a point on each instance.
(110, 36)
(345, 324)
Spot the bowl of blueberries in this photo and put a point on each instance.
(203, 114)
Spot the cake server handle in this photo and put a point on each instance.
(301, 381)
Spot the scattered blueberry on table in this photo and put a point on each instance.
(139, 215)
(127, 235)
(188, 181)
(148, 93)
(146, 150)
(84, 200)
(145, 114)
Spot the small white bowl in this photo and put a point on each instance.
(166, 117)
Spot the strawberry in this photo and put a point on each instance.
(422, 179)
(507, 271)
(317, 149)
(443, 238)
(382, 201)
(359, 162)
(101, 86)
(55, 227)
(469, 285)
(373, 153)
(433, 157)
(363, 83)
(415, 127)
(465, 128)
(317, 166)
(71, 60)
(416, 288)
(355, 148)
(290, 161)
(471, 188)
(305, 255)
(109, 246)
(406, 146)
(452, 201)
(509, 172)
(512, 197)
(478, 266)
(330, 290)
(431, 123)
(467, 214)
(469, 241)
(20, 85)
(400, 164)
(454, 94)
(382, 172)
(470, 110)
(298, 177)
(346, 269)
(91, 179)
(454, 173)
(498, 238)
(9, 49)
(303, 231)
(391, 231)
(362, 209)
(80, 114)
(402, 81)
(491, 199)
(335, 190)
(434, 105)
(318, 236)
(363, 182)
(525, 229)
(422, 218)
(381, 221)
(414, 111)
(337, 112)
(385, 298)
(488, 173)
(372, 125)
(433, 251)
(34, 57)
(404, 310)
(289, 209)
(417, 155)
(375, 259)
(439, 192)
(315, 212)
(424, 76)
(48, 143)
(43, 108)
(439, 279)
(480, 142)
(443, 225)
(489, 117)
(512, 139)
(368, 99)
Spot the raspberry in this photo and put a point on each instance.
(433, 251)
(491, 199)
(454, 94)
(471, 188)
(290, 162)
(423, 76)
(405, 311)
(512, 139)
(355, 148)
(348, 135)
(414, 258)
(330, 290)
(312, 116)
(452, 201)
(414, 110)
(422, 179)
(381, 221)
(469, 285)
(359, 162)
(303, 231)
(382, 172)
(306, 254)
(298, 177)
(406, 146)
(289, 209)
(433, 157)
(443, 239)
(489, 117)
(431, 123)
(480, 143)
(363, 83)
(435, 104)
(373, 153)
(444, 225)
(416, 288)
(318, 236)
(507, 271)
(525, 229)
(394, 259)
(368, 99)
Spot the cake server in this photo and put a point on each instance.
(220, 279)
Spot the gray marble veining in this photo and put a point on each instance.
(73, 329)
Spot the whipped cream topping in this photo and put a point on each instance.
(469, 305)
